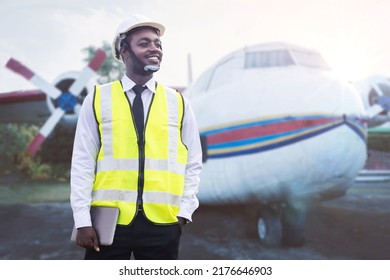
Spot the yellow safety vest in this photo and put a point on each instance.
(120, 179)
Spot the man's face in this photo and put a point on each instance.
(146, 49)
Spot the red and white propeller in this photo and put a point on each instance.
(66, 99)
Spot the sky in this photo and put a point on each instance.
(48, 36)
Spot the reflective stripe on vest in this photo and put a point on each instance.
(116, 182)
(124, 196)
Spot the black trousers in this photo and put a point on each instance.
(143, 239)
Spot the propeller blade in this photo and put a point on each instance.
(88, 72)
(45, 131)
(36, 80)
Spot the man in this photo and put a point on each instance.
(136, 150)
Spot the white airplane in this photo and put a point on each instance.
(278, 128)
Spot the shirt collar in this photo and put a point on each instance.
(128, 84)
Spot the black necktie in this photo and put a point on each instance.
(138, 109)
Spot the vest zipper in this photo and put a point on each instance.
(141, 177)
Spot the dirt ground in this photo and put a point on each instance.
(354, 227)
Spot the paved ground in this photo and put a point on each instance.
(356, 226)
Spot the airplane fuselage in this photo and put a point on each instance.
(280, 132)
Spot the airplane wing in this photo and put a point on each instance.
(379, 138)
(28, 106)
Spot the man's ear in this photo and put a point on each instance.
(123, 52)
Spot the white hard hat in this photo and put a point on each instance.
(129, 24)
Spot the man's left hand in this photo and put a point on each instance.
(182, 221)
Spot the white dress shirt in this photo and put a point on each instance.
(87, 144)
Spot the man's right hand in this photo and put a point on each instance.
(87, 238)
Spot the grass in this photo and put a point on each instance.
(22, 191)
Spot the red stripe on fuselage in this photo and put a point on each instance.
(263, 130)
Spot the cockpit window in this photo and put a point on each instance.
(264, 59)
(309, 59)
(277, 58)
(225, 69)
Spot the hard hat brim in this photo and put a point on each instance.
(156, 25)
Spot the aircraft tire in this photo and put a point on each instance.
(269, 227)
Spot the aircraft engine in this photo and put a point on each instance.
(70, 104)
(64, 97)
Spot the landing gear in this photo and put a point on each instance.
(269, 227)
(293, 219)
(283, 225)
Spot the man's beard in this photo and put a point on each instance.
(141, 68)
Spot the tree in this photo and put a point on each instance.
(14, 140)
(111, 69)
